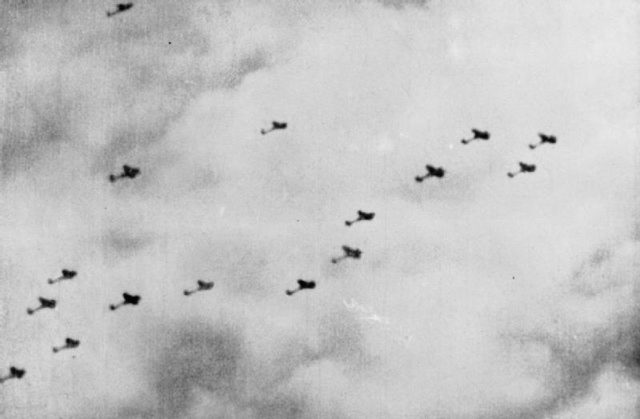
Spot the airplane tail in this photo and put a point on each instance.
(31, 311)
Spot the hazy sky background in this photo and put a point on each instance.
(477, 296)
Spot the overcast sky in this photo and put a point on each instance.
(477, 295)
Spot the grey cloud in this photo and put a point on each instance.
(123, 243)
(107, 60)
(120, 93)
(198, 356)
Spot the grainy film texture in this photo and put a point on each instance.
(319, 209)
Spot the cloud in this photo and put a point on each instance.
(500, 298)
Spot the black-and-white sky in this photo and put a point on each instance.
(477, 295)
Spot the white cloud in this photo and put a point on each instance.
(503, 298)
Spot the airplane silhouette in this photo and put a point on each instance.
(349, 252)
(202, 286)
(14, 372)
(362, 216)
(302, 285)
(549, 139)
(477, 135)
(128, 299)
(120, 7)
(69, 343)
(431, 172)
(127, 172)
(524, 168)
(275, 125)
(44, 303)
(66, 275)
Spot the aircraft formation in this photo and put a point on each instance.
(479, 135)
(348, 252)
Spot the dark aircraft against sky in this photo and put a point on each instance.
(14, 372)
(302, 285)
(69, 343)
(362, 216)
(127, 172)
(477, 136)
(348, 253)
(275, 125)
(432, 171)
(45, 303)
(201, 286)
(544, 139)
(127, 299)
(66, 275)
(120, 7)
(524, 168)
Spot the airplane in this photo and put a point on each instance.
(362, 216)
(302, 285)
(128, 299)
(44, 303)
(69, 343)
(127, 172)
(66, 275)
(431, 172)
(549, 139)
(477, 135)
(348, 253)
(524, 168)
(275, 125)
(120, 7)
(202, 286)
(14, 372)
